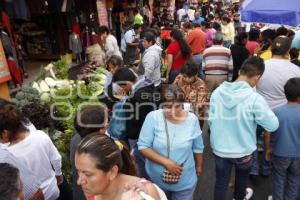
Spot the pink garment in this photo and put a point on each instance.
(251, 46)
(209, 37)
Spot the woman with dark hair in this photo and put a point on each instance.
(252, 43)
(171, 142)
(266, 38)
(193, 87)
(88, 120)
(178, 53)
(34, 148)
(113, 63)
(98, 160)
(239, 53)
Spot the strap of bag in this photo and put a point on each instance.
(168, 137)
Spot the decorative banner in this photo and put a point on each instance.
(102, 13)
(4, 71)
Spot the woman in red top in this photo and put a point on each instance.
(178, 53)
(99, 162)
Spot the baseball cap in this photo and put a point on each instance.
(281, 45)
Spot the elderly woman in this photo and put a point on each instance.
(172, 144)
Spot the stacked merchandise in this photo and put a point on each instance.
(35, 40)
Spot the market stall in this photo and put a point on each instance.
(271, 11)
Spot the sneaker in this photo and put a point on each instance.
(249, 193)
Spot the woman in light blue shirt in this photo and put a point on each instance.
(186, 145)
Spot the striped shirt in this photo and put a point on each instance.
(29, 181)
(217, 60)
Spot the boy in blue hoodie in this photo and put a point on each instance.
(235, 111)
(286, 145)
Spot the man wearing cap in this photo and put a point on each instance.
(271, 85)
(197, 41)
(278, 71)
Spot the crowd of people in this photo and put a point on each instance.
(146, 142)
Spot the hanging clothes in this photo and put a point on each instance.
(86, 38)
(16, 72)
(75, 43)
(7, 25)
(94, 38)
(37, 7)
(20, 9)
(76, 28)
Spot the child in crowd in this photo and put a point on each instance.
(294, 54)
(286, 145)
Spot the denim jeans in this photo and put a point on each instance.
(286, 178)
(198, 60)
(187, 194)
(139, 159)
(264, 167)
(172, 75)
(223, 173)
(227, 43)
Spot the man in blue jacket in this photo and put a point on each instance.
(235, 111)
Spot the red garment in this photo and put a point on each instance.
(178, 61)
(76, 28)
(7, 25)
(16, 73)
(165, 34)
(251, 46)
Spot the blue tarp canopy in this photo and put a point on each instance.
(285, 12)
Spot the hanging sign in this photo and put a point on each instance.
(4, 71)
(102, 13)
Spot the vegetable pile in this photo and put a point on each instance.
(53, 94)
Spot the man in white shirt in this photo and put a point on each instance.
(278, 71)
(111, 43)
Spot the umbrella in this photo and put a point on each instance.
(285, 12)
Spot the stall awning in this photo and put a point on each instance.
(286, 12)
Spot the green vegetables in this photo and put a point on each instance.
(64, 99)
(26, 95)
(61, 68)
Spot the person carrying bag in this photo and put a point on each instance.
(171, 142)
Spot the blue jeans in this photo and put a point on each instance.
(227, 43)
(286, 178)
(187, 194)
(264, 167)
(223, 173)
(198, 60)
(139, 159)
(172, 75)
